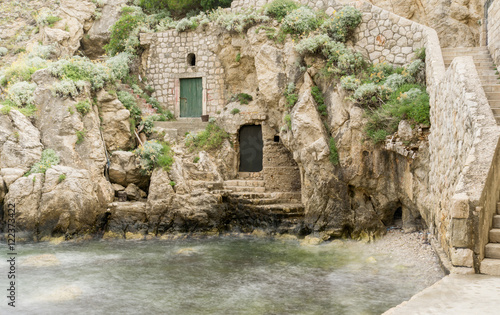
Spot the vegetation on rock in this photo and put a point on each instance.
(154, 154)
(209, 139)
(49, 158)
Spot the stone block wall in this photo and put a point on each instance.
(493, 28)
(167, 63)
(382, 36)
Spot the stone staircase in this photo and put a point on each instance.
(182, 126)
(491, 263)
(486, 70)
(282, 212)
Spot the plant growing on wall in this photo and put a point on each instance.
(49, 158)
(209, 139)
(278, 9)
(154, 154)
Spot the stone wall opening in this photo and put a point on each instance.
(251, 148)
(191, 59)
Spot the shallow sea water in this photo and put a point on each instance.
(220, 275)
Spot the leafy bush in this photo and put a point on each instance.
(380, 71)
(334, 155)
(130, 103)
(370, 95)
(320, 100)
(350, 83)
(67, 88)
(49, 159)
(123, 37)
(83, 107)
(209, 139)
(312, 44)
(394, 81)
(288, 121)
(237, 22)
(148, 124)
(82, 69)
(235, 111)
(61, 178)
(413, 73)
(300, 21)
(342, 24)
(80, 136)
(119, 65)
(196, 159)
(278, 9)
(153, 154)
(21, 93)
(3, 51)
(45, 18)
(22, 69)
(243, 98)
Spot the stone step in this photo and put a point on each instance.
(498, 207)
(496, 221)
(494, 105)
(267, 201)
(491, 88)
(268, 195)
(239, 182)
(211, 185)
(495, 110)
(183, 125)
(490, 267)
(248, 189)
(492, 251)
(478, 60)
(495, 236)
(459, 50)
(489, 79)
(289, 208)
(494, 96)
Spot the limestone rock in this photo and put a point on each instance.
(125, 170)
(20, 145)
(128, 217)
(10, 175)
(66, 34)
(270, 74)
(134, 193)
(99, 33)
(115, 122)
(405, 131)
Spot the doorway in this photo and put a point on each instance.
(191, 97)
(251, 148)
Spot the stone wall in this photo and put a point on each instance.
(462, 145)
(493, 28)
(167, 63)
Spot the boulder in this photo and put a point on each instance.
(125, 169)
(270, 73)
(115, 122)
(134, 193)
(20, 145)
(10, 175)
(405, 131)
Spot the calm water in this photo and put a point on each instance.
(237, 275)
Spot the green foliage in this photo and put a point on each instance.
(130, 103)
(409, 102)
(22, 69)
(209, 139)
(334, 155)
(243, 98)
(196, 159)
(350, 82)
(3, 51)
(51, 20)
(5, 110)
(370, 95)
(312, 44)
(121, 31)
(300, 21)
(119, 65)
(342, 24)
(320, 100)
(83, 107)
(45, 18)
(22, 93)
(61, 178)
(70, 110)
(80, 136)
(237, 22)
(235, 111)
(172, 183)
(278, 9)
(49, 159)
(80, 69)
(153, 154)
(290, 95)
(288, 121)
(238, 57)
(148, 123)
(420, 54)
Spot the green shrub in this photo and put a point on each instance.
(130, 103)
(49, 158)
(22, 69)
(320, 100)
(83, 107)
(334, 155)
(172, 183)
(3, 51)
(79, 69)
(61, 178)
(288, 121)
(67, 88)
(420, 54)
(22, 93)
(300, 21)
(238, 57)
(394, 81)
(5, 110)
(235, 111)
(312, 44)
(148, 123)
(350, 83)
(119, 65)
(278, 9)
(237, 22)
(342, 24)
(153, 154)
(209, 139)
(80, 136)
(196, 159)
(290, 95)
(380, 71)
(370, 95)
(45, 18)
(243, 98)
(123, 37)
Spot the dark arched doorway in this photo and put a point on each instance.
(251, 145)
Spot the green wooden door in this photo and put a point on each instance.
(191, 98)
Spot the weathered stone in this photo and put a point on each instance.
(405, 131)
(10, 175)
(125, 170)
(134, 193)
(462, 257)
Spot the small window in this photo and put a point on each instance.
(276, 138)
(191, 59)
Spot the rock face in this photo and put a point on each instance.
(66, 34)
(98, 34)
(456, 22)
(125, 170)
(20, 145)
(115, 122)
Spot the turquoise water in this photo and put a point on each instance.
(223, 275)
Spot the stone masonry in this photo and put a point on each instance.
(493, 28)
